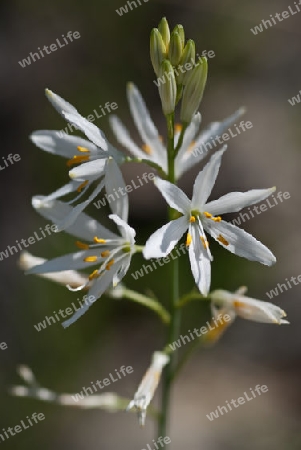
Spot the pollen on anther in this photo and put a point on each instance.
(207, 214)
(178, 128)
(105, 254)
(147, 149)
(93, 275)
(89, 259)
(204, 242)
(109, 265)
(192, 219)
(83, 149)
(82, 186)
(77, 159)
(188, 240)
(82, 245)
(216, 219)
(222, 240)
(99, 241)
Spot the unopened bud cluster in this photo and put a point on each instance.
(178, 72)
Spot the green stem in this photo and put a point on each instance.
(175, 313)
(148, 302)
(191, 296)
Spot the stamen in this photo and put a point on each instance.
(109, 265)
(90, 259)
(188, 240)
(83, 149)
(221, 239)
(81, 186)
(192, 219)
(204, 242)
(237, 304)
(77, 159)
(147, 149)
(178, 128)
(93, 275)
(216, 219)
(82, 245)
(105, 254)
(99, 241)
(208, 215)
(191, 146)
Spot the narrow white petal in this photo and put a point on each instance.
(239, 242)
(252, 309)
(189, 135)
(123, 137)
(59, 103)
(118, 276)
(72, 261)
(162, 242)
(114, 183)
(235, 201)
(91, 131)
(199, 261)
(89, 171)
(61, 192)
(127, 232)
(84, 228)
(60, 144)
(205, 180)
(174, 196)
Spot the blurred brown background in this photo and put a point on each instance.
(260, 72)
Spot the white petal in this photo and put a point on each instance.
(123, 137)
(89, 171)
(205, 180)
(235, 201)
(127, 232)
(162, 242)
(91, 131)
(199, 261)
(59, 103)
(189, 135)
(52, 142)
(114, 183)
(61, 192)
(174, 196)
(72, 261)
(85, 227)
(146, 127)
(126, 262)
(239, 242)
(264, 312)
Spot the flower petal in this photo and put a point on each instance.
(123, 137)
(239, 242)
(84, 228)
(90, 170)
(114, 183)
(127, 232)
(252, 309)
(72, 261)
(205, 180)
(174, 196)
(162, 242)
(59, 143)
(91, 131)
(199, 261)
(61, 192)
(235, 201)
(59, 103)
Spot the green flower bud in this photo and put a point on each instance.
(157, 50)
(168, 89)
(188, 57)
(193, 91)
(175, 48)
(179, 29)
(164, 31)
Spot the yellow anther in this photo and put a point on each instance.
(237, 304)
(147, 149)
(77, 159)
(208, 215)
(192, 219)
(83, 149)
(105, 254)
(189, 239)
(89, 259)
(216, 219)
(222, 240)
(93, 275)
(82, 245)
(216, 331)
(204, 242)
(160, 138)
(109, 265)
(81, 186)
(178, 128)
(99, 241)
(191, 146)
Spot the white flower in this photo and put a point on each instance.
(110, 251)
(246, 307)
(148, 385)
(191, 151)
(199, 216)
(90, 156)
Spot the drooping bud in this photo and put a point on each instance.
(157, 50)
(163, 28)
(193, 91)
(175, 48)
(187, 62)
(168, 89)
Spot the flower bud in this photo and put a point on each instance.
(188, 57)
(175, 48)
(193, 91)
(157, 50)
(164, 31)
(168, 89)
(180, 30)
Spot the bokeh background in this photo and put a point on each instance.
(260, 72)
